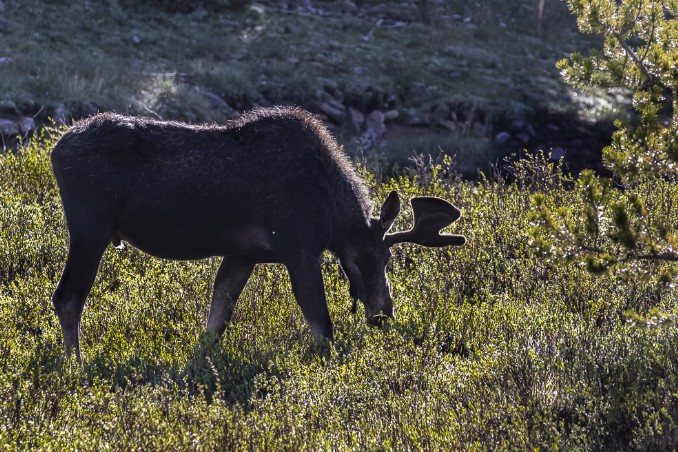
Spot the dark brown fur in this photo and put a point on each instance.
(270, 186)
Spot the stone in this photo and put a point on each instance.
(413, 118)
(2, 6)
(90, 108)
(198, 14)
(557, 153)
(116, 11)
(449, 125)
(8, 129)
(26, 125)
(419, 91)
(517, 125)
(529, 129)
(8, 107)
(4, 24)
(357, 118)
(523, 137)
(215, 100)
(334, 110)
(60, 114)
(391, 115)
(502, 137)
(375, 122)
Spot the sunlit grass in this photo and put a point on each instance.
(493, 348)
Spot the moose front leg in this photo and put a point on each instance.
(231, 278)
(307, 285)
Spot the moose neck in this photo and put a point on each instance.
(347, 234)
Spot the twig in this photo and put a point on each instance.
(629, 51)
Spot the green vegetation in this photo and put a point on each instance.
(613, 226)
(494, 347)
(469, 74)
(555, 327)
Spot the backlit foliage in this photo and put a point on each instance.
(494, 347)
(632, 218)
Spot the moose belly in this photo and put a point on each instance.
(196, 240)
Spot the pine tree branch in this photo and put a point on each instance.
(669, 257)
(629, 51)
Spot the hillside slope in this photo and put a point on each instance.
(479, 81)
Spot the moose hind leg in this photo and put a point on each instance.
(73, 288)
(229, 283)
(307, 285)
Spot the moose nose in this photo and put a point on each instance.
(379, 319)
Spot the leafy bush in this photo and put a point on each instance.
(626, 221)
(493, 346)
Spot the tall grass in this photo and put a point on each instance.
(493, 348)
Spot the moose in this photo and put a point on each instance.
(271, 186)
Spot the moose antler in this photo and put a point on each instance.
(431, 214)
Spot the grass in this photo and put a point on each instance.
(136, 58)
(493, 348)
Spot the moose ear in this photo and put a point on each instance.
(389, 211)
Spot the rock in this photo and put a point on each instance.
(357, 118)
(198, 14)
(502, 137)
(215, 100)
(136, 40)
(529, 129)
(398, 55)
(557, 153)
(517, 125)
(2, 6)
(523, 137)
(4, 60)
(479, 129)
(90, 108)
(391, 115)
(367, 140)
(334, 110)
(116, 11)
(26, 125)
(420, 92)
(8, 107)
(60, 114)
(4, 25)
(413, 118)
(349, 6)
(8, 129)
(449, 125)
(375, 122)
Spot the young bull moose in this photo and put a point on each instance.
(270, 186)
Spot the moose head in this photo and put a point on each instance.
(365, 262)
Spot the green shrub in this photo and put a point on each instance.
(494, 348)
